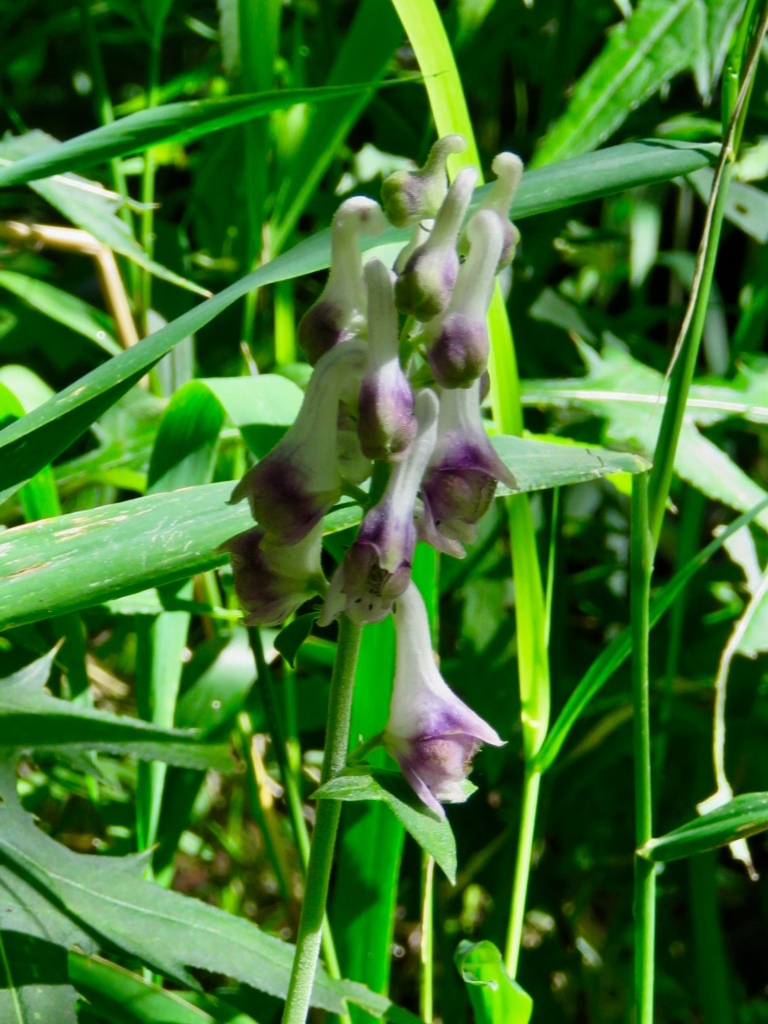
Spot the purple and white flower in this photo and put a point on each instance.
(377, 567)
(508, 168)
(457, 340)
(339, 313)
(424, 287)
(408, 196)
(298, 482)
(386, 424)
(463, 472)
(273, 579)
(431, 733)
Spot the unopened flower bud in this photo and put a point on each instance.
(431, 733)
(377, 567)
(339, 313)
(425, 285)
(386, 423)
(299, 481)
(410, 195)
(273, 579)
(508, 168)
(457, 341)
(420, 234)
(460, 482)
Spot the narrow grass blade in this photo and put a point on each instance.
(171, 122)
(614, 655)
(741, 817)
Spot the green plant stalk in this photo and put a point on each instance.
(641, 569)
(17, 1010)
(147, 223)
(326, 826)
(426, 977)
(531, 785)
(426, 33)
(293, 799)
(713, 976)
(689, 339)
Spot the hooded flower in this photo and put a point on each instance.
(377, 567)
(293, 487)
(273, 579)
(339, 313)
(408, 196)
(427, 279)
(354, 465)
(460, 482)
(508, 168)
(387, 424)
(431, 733)
(457, 340)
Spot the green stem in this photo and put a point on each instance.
(326, 826)
(290, 782)
(147, 223)
(426, 978)
(689, 339)
(531, 785)
(641, 568)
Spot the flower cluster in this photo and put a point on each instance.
(407, 404)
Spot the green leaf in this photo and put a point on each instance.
(39, 437)
(741, 817)
(171, 122)
(86, 204)
(87, 558)
(184, 452)
(745, 205)
(31, 718)
(35, 939)
(262, 407)
(628, 395)
(126, 998)
(291, 637)
(366, 783)
(660, 39)
(723, 17)
(495, 997)
(64, 308)
(168, 932)
(537, 465)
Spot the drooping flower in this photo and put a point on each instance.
(431, 733)
(339, 313)
(408, 196)
(377, 567)
(273, 579)
(463, 472)
(457, 340)
(427, 279)
(386, 424)
(508, 168)
(299, 481)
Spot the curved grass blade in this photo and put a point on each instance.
(741, 817)
(87, 558)
(172, 122)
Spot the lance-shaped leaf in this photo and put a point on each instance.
(741, 817)
(31, 718)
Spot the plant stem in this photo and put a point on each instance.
(426, 979)
(326, 826)
(641, 568)
(689, 338)
(290, 782)
(148, 192)
(531, 784)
